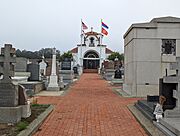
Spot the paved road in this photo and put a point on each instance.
(90, 108)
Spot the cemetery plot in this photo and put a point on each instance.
(13, 130)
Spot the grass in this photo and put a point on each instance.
(40, 105)
(22, 125)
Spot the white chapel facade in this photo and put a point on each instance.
(90, 54)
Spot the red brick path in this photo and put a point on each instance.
(90, 109)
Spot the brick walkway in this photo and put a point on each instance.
(90, 109)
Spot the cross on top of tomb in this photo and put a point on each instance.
(6, 60)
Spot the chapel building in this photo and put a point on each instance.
(90, 54)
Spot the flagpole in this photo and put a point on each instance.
(81, 49)
(101, 45)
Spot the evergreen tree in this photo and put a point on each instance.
(116, 55)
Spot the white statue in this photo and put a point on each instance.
(158, 111)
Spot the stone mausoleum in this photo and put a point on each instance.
(91, 53)
(149, 48)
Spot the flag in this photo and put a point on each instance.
(84, 26)
(104, 25)
(104, 28)
(104, 31)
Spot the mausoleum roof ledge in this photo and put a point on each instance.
(168, 19)
(153, 23)
(140, 25)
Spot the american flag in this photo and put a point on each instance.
(84, 26)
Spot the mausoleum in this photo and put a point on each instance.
(149, 48)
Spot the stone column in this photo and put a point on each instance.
(53, 80)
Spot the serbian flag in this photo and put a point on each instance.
(104, 31)
(104, 25)
(84, 26)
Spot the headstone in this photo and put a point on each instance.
(108, 71)
(118, 74)
(42, 70)
(11, 96)
(76, 72)
(75, 69)
(68, 76)
(8, 93)
(108, 64)
(42, 67)
(34, 70)
(20, 74)
(66, 72)
(61, 83)
(117, 80)
(53, 80)
(21, 64)
(66, 64)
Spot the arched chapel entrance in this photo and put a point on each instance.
(91, 61)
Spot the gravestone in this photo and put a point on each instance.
(117, 80)
(75, 69)
(66, 64)
(108, 72)
(42, 69)
(53, 79)
(61, 83)
(66, 71)
(108, 64)
(20, 71)
(118, 74)
(21, 64)
(12, 100)
(34, 70)
(76, 72)
(8, 92)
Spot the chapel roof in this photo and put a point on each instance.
(92, 33)
(75, 50)
(108, 51)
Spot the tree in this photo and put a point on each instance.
(116, 54)
(18, 53)
(66, 55)
(47, 53)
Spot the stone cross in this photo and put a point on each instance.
(176, 80)
(8, 91)
(6, 61)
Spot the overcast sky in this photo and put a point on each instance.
(36, 24)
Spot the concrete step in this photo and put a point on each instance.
(149, 106)
(172, 124)
(90, 71)
(146, 113)
(164, 129)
